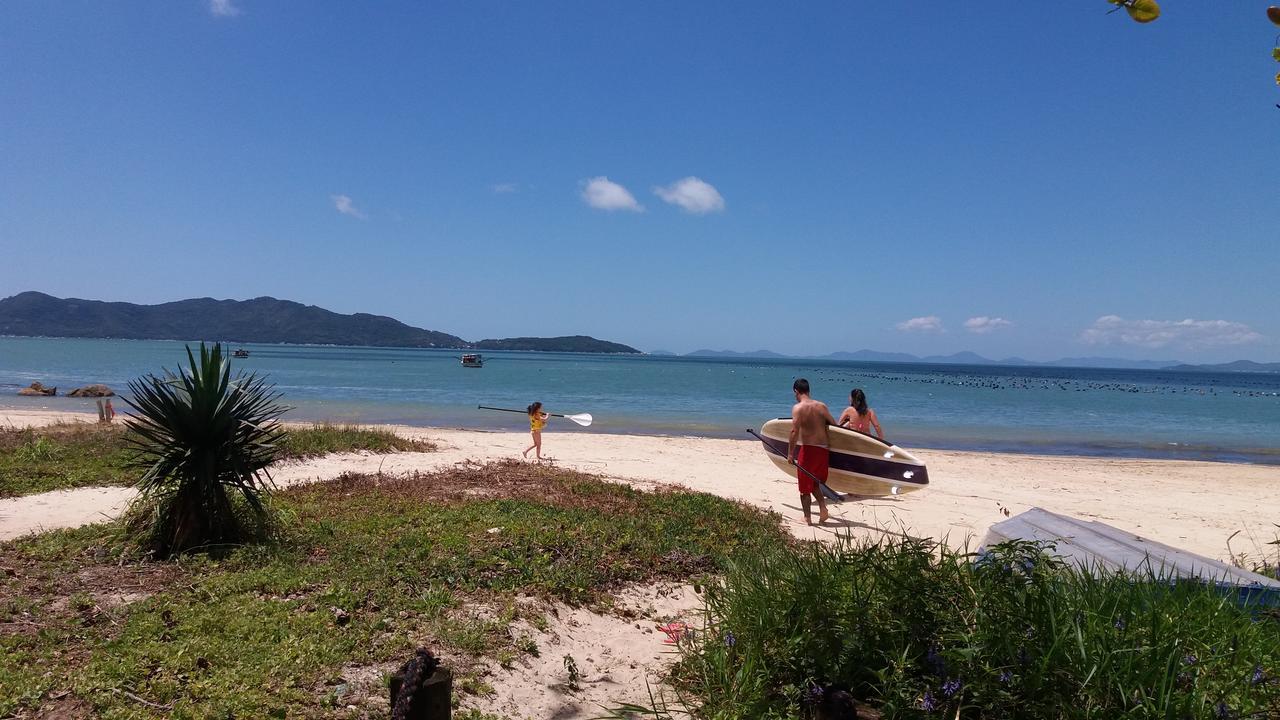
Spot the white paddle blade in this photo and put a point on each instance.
(583, 419)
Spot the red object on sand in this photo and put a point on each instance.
(674, 631)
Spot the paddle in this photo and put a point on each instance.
(583, 419)
(826, 491)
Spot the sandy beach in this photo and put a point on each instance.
(1191, 505)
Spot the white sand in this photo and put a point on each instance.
(1191, 505)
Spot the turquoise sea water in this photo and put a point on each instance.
(1139, 413)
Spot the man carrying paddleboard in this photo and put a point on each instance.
(807, 447)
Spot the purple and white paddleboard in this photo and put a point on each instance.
(860, 464)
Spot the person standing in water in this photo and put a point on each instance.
(537, 421)
(860, 417)
(807, 448)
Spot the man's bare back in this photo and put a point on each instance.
(810, 419)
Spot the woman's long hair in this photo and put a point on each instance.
(534, 409)
(858, 400)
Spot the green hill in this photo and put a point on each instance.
(260, 320)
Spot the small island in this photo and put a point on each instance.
(567, 343)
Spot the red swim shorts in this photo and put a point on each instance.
(814, 459)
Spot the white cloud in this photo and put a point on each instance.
(693, 194)
(344, 205)
(223, 8)
(929, 323)
(503, 188)
(604, 194)
(1189, 334)
(983, 324)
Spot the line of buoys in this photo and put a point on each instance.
(1059, 384)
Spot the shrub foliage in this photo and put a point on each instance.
(918, 630)
(204, 440)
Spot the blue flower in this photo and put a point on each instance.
(730, 640)
(927, 703)
(1028, 565)
(951, 687)
(1221, 711)
(1121, 624)
(1006, 677)
(814, 695)
(1258, 676)
(1190, 660)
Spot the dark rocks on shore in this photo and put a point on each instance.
(38, 389)
(92, 391)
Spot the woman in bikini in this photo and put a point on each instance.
(860, 417)
(537, 421)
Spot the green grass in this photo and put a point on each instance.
(410, 561)
(917, 631)
(325, 438)
(1260, 556)
(62, 456)
(74, 455)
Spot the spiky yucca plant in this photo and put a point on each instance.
(205, 440)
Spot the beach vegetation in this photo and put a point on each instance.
(363, 570)
(203, 441)
(321, 439)
(65, 456)
(1261, 556)
(918, 630)
(62, 456)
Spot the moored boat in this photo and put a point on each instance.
(473, 360)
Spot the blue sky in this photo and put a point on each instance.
(1038, 179)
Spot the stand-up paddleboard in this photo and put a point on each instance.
(860, 463)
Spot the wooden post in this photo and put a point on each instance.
(432, 701)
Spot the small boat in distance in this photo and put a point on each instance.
(472, 360)
(240, 353)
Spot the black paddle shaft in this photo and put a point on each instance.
(800, 467)
(822, 486)
(522, 412)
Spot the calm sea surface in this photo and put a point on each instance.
(1138, 413)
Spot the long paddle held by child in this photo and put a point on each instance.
(583, 419)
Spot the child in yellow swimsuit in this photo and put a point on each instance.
(537, 421)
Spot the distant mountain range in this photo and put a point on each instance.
(731, 353)
(261, 320)
(268, 320)
(1246, 366)
(969, 358)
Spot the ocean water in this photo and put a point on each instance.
(1133, 413)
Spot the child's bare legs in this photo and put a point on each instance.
(537, 443)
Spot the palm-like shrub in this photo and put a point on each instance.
(205, 440)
